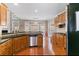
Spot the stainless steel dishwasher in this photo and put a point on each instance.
(33, 40)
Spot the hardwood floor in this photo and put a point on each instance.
(34, 52)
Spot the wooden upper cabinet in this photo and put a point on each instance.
(3, 14)
(60, 18)
(63, 16)
(56, 21)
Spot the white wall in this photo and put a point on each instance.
(51, 30)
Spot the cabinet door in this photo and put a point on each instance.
(59, 18)
(65, 44)
(3, 11)
(20, 43)
(59, 43)
(40, 41)
(56, 21)
(2, 49)
(64, 17)
(27, 41)
(6, 48)
(54, 40)
(23, 42)
(16, 45)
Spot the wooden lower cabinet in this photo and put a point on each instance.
(20, 43)
(40, 40)
(27, 41)
(14, 45)
(59, 51)
(59, 44)
(6, 48)
(24, 42)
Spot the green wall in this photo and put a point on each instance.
(73, 35)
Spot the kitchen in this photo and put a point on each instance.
(28, 29)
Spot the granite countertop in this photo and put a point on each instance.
(5, 37)
(2, 41)
(61, 33)
(12, 35)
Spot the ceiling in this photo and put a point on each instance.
(36, 11)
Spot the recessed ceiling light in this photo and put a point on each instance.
(16, 4)
(35, 10)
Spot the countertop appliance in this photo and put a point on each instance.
(4, 31)
(61, 25)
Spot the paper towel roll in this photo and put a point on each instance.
(0, 30)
